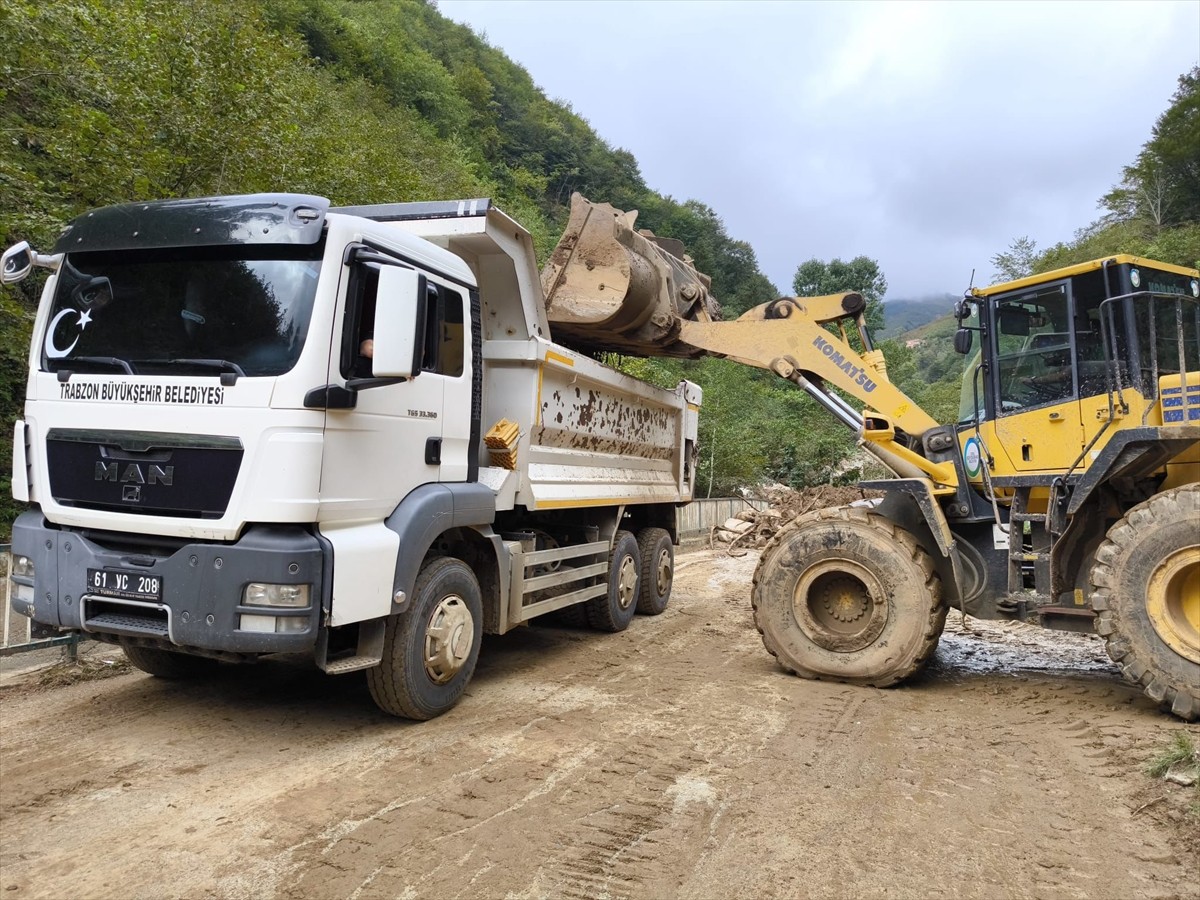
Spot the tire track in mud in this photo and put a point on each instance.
(674, 759)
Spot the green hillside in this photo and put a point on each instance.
(368, 101)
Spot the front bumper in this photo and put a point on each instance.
(202, 585)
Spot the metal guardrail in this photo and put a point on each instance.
(17, 635)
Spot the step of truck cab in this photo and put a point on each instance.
(350, 650)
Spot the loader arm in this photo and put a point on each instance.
(787, 336)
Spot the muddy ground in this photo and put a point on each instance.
(673, 760)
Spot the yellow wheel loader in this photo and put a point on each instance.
(1067, 494)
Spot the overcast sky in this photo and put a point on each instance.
(925, 135)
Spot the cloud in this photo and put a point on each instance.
(925, 135)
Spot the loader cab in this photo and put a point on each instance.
(1050, 352)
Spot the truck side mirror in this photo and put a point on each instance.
(399, 323)
(962, 340)
(16, 263)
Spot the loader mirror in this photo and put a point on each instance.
(399, 323)
(962, 341)
(16, 263)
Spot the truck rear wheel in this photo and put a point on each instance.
(430, 651)
(847, 594)
(614, 610)
(1146, 589)
(167, 664)
(657, 551)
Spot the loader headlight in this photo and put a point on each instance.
(1195, 288)
(1135, 277)
(289, 595)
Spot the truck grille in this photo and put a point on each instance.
(143, 473)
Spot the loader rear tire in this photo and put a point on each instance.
(848, 595)
(167, 664)
(1145, 588)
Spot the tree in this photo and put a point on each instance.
(862, 274)
(1162, 186)
(1016, 262)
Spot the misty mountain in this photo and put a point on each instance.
(903, 315)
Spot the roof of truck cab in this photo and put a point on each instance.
(409, 246)
(1079, 269)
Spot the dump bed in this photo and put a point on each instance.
(586, 434)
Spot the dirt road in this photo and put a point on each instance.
(673, 760)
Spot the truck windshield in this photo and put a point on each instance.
(198, 311)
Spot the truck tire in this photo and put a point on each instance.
(848, 595)
(614, 610)
(430, 651)
(1145, 588)
(657, 551)
(166, 663)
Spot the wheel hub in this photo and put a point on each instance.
(840, 605)
(627, 582)
(449, 636)
(844, 599)
(663, 573)
(1173, 602)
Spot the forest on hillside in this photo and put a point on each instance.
(367, 101)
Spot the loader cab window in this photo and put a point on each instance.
(1166, 315)
(1033, 347)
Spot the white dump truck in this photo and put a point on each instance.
(259, 424)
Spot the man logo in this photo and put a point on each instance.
(132, 493)
(133, 474)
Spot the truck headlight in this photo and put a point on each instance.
(22, 567)
(289, 595)
(19, 574)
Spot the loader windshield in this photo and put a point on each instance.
(197, 311)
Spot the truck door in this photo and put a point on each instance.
(393, 436)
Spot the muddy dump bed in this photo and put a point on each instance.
(610, 287)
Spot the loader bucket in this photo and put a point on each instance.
(609, 287)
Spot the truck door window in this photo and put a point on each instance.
(442, 345)
(444, 332)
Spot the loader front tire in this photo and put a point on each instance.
(846, 594)
(1145, 588)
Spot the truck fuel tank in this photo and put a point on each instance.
(608, 286)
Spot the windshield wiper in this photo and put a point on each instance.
(64, 374)
(230, 371)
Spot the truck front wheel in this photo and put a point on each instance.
(848, 595)
(1146, 591)
(166, 664)
(430, 651)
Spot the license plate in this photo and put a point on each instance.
(125, 584)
